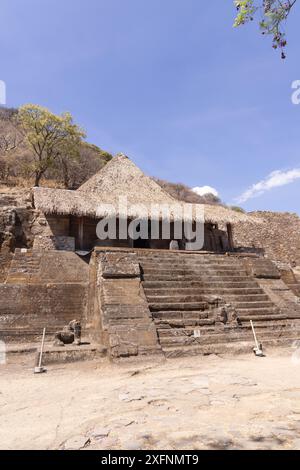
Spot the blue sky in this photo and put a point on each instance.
(170, 83)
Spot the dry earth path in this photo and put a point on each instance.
(239, 402)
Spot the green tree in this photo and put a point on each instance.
(49, 136)
(274, 14)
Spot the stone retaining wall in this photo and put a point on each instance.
(278, 237)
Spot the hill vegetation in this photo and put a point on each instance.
(184, 193)
(16, 159)
(17, 162)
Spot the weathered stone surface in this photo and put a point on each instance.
(278, 237)
(54, 243)
(36, 267)
(119, 265)
(124, 310)
(122, 292)
(26, 309)
(262, 268)
(16, 218)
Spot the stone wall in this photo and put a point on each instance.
(278, 237)
(42, 289)
(35, 267)
(54, 243)
(26, 309)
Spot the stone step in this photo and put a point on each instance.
(188, 306)
(213, 285)
(187, 257)
(238, 300)
(181, 324)
(245, 312)
(262, 328)
(192, 265)
(161, 271)
(260, 318)
(180, 315)
(191, 290)
(193, 277)
(261, 323)
(241, 306)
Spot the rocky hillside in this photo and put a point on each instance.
(184, 193)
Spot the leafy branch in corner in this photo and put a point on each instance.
(274, 14)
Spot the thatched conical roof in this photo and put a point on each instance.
(121, 177)
(100, 197)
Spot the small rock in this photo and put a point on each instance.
(99, 433)
(123, 422)
(130, 398)
(76, 443)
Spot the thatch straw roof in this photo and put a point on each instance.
(119, 178)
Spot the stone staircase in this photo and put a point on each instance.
(186, 292)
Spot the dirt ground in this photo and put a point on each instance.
(239, 402)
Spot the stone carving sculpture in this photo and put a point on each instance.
(69, 334)
(228, 314)
(223, 313)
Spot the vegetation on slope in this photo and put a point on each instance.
(27, 157)
(184, 193)
(69, 165)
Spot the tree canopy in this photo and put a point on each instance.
(50, 137)
(273, 15)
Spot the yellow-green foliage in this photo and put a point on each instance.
(49, 136)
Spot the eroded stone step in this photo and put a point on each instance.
(191, 290)
(262, 328)
(245, 312)
(193, 265)
(197, 278)
(263, 318)
(199, 296)
(180, 315)
(178, 306)
(249, 284)
(182, 324)
(240, 306)
(161, 271)
(186, 257)
(239, 300)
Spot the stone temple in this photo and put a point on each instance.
(145, 295)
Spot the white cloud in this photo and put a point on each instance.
(274, 180)
(203, 190)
